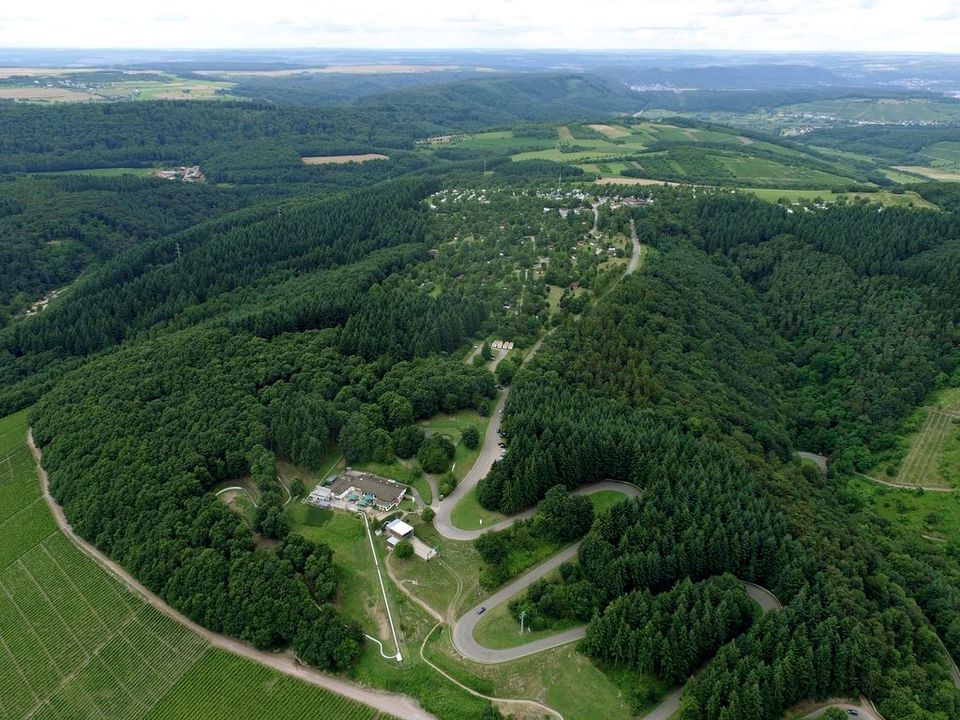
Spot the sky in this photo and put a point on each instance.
(767, 25)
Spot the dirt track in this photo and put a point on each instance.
(396, 705)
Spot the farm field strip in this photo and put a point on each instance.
(917, 463)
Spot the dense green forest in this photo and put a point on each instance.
(56, 227)
(694, 381)
(286, 312)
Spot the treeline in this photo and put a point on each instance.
(672, 633)
(868, 301)
(133, 455)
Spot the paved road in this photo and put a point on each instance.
(864, 710)
(820, 460)
(463, 638)
(399, 706)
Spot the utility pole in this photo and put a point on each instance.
(179, 254)
(523, 614)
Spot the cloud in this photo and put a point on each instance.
(742, 25)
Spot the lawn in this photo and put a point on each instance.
(358, 590)
(453, 426)
(451, 579)
(605, 499)
(561, 678)
(469, 514)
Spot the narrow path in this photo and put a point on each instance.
(391, 704)
(905, 486)
(383, 589)
(637, 249)
(236, 488)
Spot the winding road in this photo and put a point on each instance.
(390, 704)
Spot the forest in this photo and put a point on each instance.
(696, 381)
(284, 312)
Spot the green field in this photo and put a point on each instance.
(883, 197)
(453, 426)
(944, 154)
(469, 514)
(75, 643)
(882, 110)
(935, 514)
(358, 590)
(928, 452)
(561, 678)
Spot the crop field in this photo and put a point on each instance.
(221, 686)
(44, 94)
(611, 131)
(883, 110)
(60, 86)
(503, 141)
(76, 643)
(931, 173)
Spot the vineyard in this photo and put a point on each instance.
(75, 643)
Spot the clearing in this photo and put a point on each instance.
(632, 181)
(931, 173)
(45, 94)
(930, 448)
(611, 131)
(341, 159)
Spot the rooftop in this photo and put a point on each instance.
(384, 490)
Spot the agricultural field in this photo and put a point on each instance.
(877, 110)
(41, 85)
(930, 173)
(944, 154)
(75, 643)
